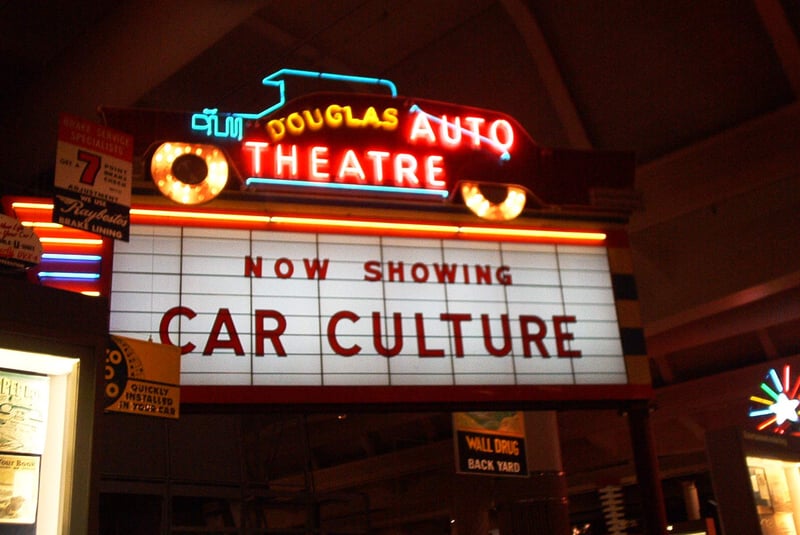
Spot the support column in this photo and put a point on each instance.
(543, 509)
(645, 459)
(473, 505)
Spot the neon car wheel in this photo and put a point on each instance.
(495, 203)
(189, 173)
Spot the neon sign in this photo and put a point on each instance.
(375, 144)
(498, 135)
(334, 116)
(208, 121)
(779, 410)
(394, 147)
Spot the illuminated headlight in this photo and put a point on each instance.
(499, 209)
(189, 173)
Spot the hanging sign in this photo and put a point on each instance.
(20, 248)
(490, 443)
(93, 178)
(142, 378)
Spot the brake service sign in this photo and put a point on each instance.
(253, 307)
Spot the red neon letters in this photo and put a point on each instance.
(289, 149)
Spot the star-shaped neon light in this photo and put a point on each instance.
(780, 410)
(785, 409)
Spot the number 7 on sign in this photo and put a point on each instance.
(92, 168)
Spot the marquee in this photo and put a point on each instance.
(280, 308)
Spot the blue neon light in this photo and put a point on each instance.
(67, 275)
(72, 257)
(256, 181)
(208, 120)
(504, 154)
(776, 380)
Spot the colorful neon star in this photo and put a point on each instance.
(781, 409)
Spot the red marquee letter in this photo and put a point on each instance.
(487, 336)
(335, 345)
(163, 328)
(377, 335)
(225, 319)
(561, 336)
(457, 319)
(274, 335)
(536, 338)
(424, 351)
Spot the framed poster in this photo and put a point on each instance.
(19, 488)
(761, 493)
(24, 400)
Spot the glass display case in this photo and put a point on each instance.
(776, 493)
(51, 344)
(756, 481)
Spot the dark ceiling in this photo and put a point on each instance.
(705, 93)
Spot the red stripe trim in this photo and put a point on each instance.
(412, 395)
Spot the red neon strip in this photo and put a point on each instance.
(786, 379)
(767, 423)
(59, 239)
(42, 211)
(246, 220)
(796, 388)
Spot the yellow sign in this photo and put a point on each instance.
(142, 378)
(490, 443)
(19, 488)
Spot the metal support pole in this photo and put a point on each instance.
(645, 459)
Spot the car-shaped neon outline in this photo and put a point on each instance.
(193, 156)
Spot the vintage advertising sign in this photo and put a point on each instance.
(142, 378)
(24, 400)
(253, 307)
(19, 488)
(20, 248)
(93, 177)
(490, 443)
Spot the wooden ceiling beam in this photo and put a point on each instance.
(783, 39)
(767, 343)
(759, 307)
(731, 163)
(549, 72)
